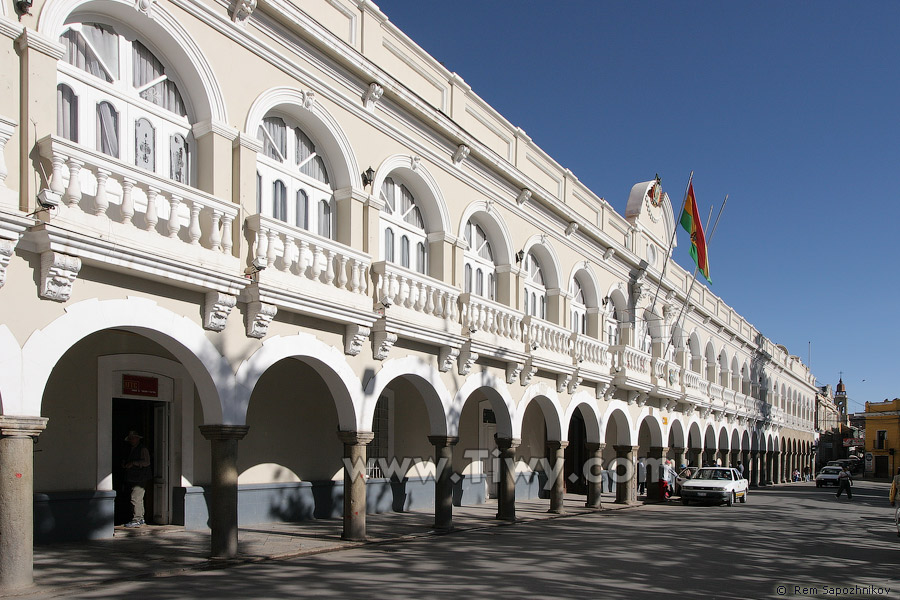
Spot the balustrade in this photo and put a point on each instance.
(477, 313)
(397, 286)
(590, 350)
(543, 335)
(99, 185)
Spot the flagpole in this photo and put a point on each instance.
(671, 242)
(687, 299)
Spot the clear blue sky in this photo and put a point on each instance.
(790, 108)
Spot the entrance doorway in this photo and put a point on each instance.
(576, 455)
(487, 429)
(150, 418)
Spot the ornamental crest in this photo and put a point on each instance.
(654, 194)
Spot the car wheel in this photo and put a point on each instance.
(818, 484)
(730, 501)
(685, 501)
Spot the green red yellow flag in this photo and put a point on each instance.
(690, 220)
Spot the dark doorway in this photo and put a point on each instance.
(881, 467)
(141, 416)
(576, 455)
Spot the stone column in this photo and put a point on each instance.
(355, 483)
(443, 485)
(753, 467)
(680, 457)
(726, 458)
(595, 476)
(17, 435)
(223, 505)
(767, 470)
(697, 456)
(556, 453)
(653, 472)
(776, 467)
(506, 491)
(626, 487)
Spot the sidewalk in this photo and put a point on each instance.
(161, 551)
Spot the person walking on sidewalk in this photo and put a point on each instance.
(844, 483)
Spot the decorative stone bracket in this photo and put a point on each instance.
(512, 371)
(528, 372)
(562, 382)
(259, 315)
(355, 337)
(58, 273)
(241, 11)
(382, 342)
(523, 197)
(7, 247)
(575, 382)
(216, 309)
(446, 356)
(372, 95)
(466, 359)
(462, 151)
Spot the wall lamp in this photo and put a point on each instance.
(605, 300)
(520, 256)
(23, 7)
(368, 178)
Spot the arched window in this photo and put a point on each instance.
(479, 257)
(289, 155)
(402, 213)
(116, 96)
(389, 244)
(579, 309)
(468, 279)
(279, 200)
(612, 327)
(534, 288)
(66, 113)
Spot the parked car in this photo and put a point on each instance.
(715, 484)
(683, 476)
(828, 476)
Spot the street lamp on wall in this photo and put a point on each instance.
(368, 178)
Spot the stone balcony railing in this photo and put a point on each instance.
(304, 256)
(547, 340)
(489, 320)
(397, 286)
(667, 372)
(691, 380)
(631, 362)
(96, 185)
(591, 352)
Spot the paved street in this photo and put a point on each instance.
(789, 535)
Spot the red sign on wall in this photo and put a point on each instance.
(138, 385)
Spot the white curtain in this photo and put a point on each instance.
(108, 125)
(179, 158)
(276, 129)
(147, 68)
(302, 210)
(66, 113)
(87, 43)
(315, 168)
(279, 201)
(325, 219)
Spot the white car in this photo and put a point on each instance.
(715, 484)
(828, 476)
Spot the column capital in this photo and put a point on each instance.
(595, 446)
(224, 432)
(356, 438)
(557, 445)
(626, 449)
(443, 440)
(508, 443)
(19, 426)
(676, 449)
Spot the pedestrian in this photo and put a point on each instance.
(641, 476)
(845, 483)
(740, 469)
(895, 489)
(137, 473)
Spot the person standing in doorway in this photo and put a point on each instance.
(844, 483)
(137, 473)
(642, 476)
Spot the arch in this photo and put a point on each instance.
(11, 401)
(676, 432)
(589, 284)
(735, 439)
(496, 228)
(169, 38)
(316, 121)
(424, 377)
(548, 259)
(548, 400)
(653, 425)
(327, 361)
(722, 443)
(695, 437)
(496, 391)
(423, 186)
(617, 411)
(588, 405)
(185, 339)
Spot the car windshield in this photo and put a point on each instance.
(713, 474)
(830, 471)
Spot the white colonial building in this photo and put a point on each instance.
(273, 236)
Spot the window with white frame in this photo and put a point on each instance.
(402, 224)
(579, 308)
(535, 290)
(116, 96)
(480, 269)
(294, 186)
(612, 328)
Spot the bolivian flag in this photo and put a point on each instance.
(690, 220)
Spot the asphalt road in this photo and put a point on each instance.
(788, 541)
